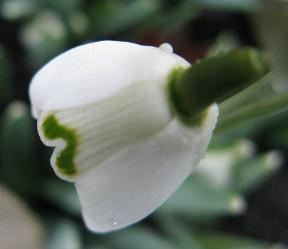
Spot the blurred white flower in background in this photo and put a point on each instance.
(217, 166)
(19, 227)
(104, 106)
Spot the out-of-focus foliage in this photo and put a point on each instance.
(126, 14)
(219, 241)
(272, 21)
(255, 101)
(55, 189)
(5, 76)
(62, 234)
(221, 188)
(43, 36)
(18, 150)
(214, 190)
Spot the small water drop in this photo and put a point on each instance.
(114, 223)
(166, 47)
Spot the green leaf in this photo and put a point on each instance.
(18, 167)
(17, 9)
(64, 7)
(277, 132)
(222, 241)
(179, 232)
(272, 23)
(109, 17)
(140, 238)
(246, 129)
(197, 198)
(235, 5)
(62, 234)
(251, 173)
(5, 76)
(64, 195)
(258, 100)
(44, 36)
(180, 12)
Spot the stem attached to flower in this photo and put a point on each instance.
(258, 100)
(212, 80)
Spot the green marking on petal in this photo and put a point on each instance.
(52, 129)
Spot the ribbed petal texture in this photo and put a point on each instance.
(134, 182)
(102, 129)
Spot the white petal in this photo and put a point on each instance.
(95, 71)
(130, 185)
(97, 131)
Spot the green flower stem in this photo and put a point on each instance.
(213, 80)
(257, 100)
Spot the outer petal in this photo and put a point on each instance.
(95, 71)
(129, 186)
(88, 135)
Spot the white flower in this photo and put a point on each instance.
(104, 107)
(217, 166)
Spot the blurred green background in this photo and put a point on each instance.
(236, 199)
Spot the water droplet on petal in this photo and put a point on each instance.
(114, 223)
(166, 47)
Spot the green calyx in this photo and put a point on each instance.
(213, 80)
(191, 120)
(52, 129)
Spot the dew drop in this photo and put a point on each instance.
(166, 47)
(114, 223)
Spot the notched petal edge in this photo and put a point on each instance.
(66, 142)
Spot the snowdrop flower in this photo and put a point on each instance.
(217, 166)
(106, 109)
